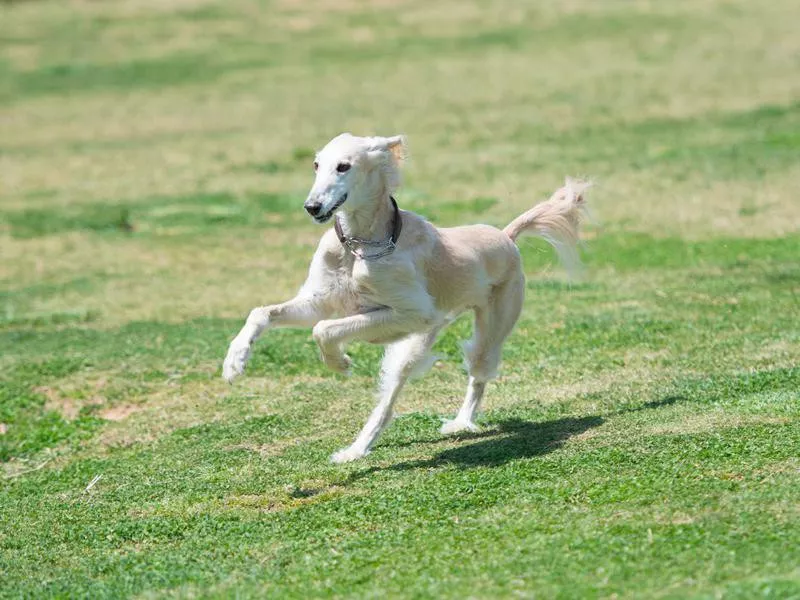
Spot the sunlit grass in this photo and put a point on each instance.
(642, 438)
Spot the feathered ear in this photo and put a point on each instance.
(398, 146)
(576, 188)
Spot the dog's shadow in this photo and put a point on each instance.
(512, 439)
(507, 440)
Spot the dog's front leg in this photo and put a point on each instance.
(399, 361)
(298, 312)
(380, 324)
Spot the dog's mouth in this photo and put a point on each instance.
(329, 214)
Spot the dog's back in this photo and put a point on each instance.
(463, 265)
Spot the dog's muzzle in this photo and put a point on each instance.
(314, 208)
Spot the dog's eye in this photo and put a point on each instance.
(316, 165)
(342, 167)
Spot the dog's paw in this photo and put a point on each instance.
(348, 455)
(458, 426)
(339, 362)
(235, 360)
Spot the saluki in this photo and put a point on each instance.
(387, 276)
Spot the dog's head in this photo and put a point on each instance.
(351, 170)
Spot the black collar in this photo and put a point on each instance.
(352, 243)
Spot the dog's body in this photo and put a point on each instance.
(415, 286)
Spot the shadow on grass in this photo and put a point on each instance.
(512, 439)
(667, 401)
(508, 440)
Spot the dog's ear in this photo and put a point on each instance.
(576, 188)
(398, 146)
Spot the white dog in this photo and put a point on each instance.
(387, 276)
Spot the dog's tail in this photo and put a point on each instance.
(556, 220)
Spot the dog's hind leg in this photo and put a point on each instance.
(403, 359)
(464, 420)
(493, 323)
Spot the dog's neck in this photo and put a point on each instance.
(372, 219)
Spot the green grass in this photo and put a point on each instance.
(192, 214)
(642, 438)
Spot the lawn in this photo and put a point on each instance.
(643, 440)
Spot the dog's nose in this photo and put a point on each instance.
(313, 208)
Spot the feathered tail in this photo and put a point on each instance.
(557, 221)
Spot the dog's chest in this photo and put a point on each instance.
(362, 283)
(360, 272)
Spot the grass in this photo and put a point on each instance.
(642, 439)
(191, 214)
